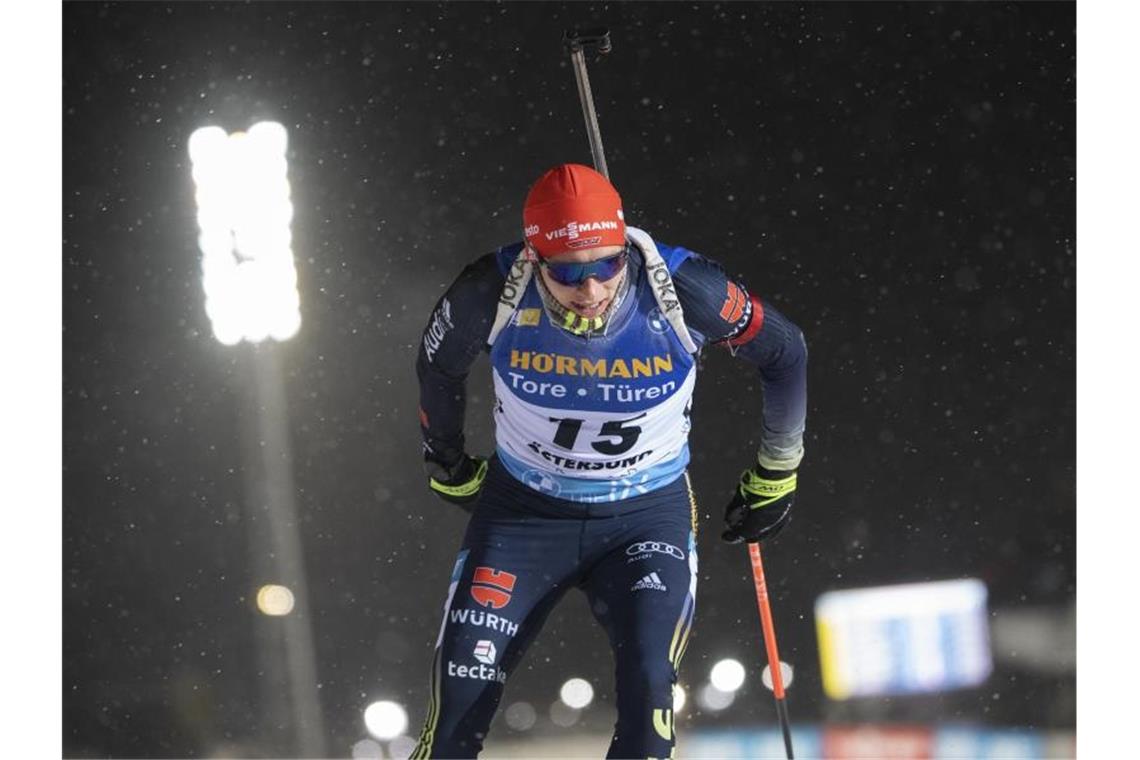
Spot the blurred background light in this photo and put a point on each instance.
(401, 746)
(727, 675)
(521, 716)
(576, 693)
(679, 698)
(367, 749)
(563, 715)
(787, 673)
(713, 699)
(274, 599)
(385, 720)
(903, 639)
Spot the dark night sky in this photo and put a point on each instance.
(900, 179)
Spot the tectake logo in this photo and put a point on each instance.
(476, 672)
(485, 652)
(492, 588)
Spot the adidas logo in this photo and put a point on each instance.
(651, 581)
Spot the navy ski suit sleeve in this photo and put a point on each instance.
(455, 334)
(721, 309)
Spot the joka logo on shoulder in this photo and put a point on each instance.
(492, 588)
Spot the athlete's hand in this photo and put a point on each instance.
(460, 483)
(761, 506)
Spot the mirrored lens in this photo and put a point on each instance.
(576, 273)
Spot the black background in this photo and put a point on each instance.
(898, 178)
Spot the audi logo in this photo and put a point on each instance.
(655, 546)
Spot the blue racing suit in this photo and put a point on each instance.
(587, 486)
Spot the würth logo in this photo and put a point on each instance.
(733, 307)
(492, 588)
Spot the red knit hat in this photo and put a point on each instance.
(572, 207)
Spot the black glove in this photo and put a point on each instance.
(460, 483)
(761, 506)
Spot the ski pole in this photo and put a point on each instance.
(770, 646)
(576, 41)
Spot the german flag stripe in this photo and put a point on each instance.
(753, 327)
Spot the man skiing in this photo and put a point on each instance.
(593, 330)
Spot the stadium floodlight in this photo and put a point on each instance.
(385, 720)
(577, 693)
(244, 213)
(727, 675)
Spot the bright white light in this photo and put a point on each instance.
(577, 693)
(678, 698)
(786, 675)
(727, 675)
(272, 134)
(385, 720)
(275, 600)
(244, 213)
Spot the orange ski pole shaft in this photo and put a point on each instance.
(770, 646)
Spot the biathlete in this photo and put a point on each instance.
(593, 330)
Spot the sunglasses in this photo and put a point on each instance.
(574, 274)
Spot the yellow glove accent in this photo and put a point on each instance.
(751, 484)
(470, 488)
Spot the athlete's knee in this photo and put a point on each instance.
(459, 715)
(646, 682)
